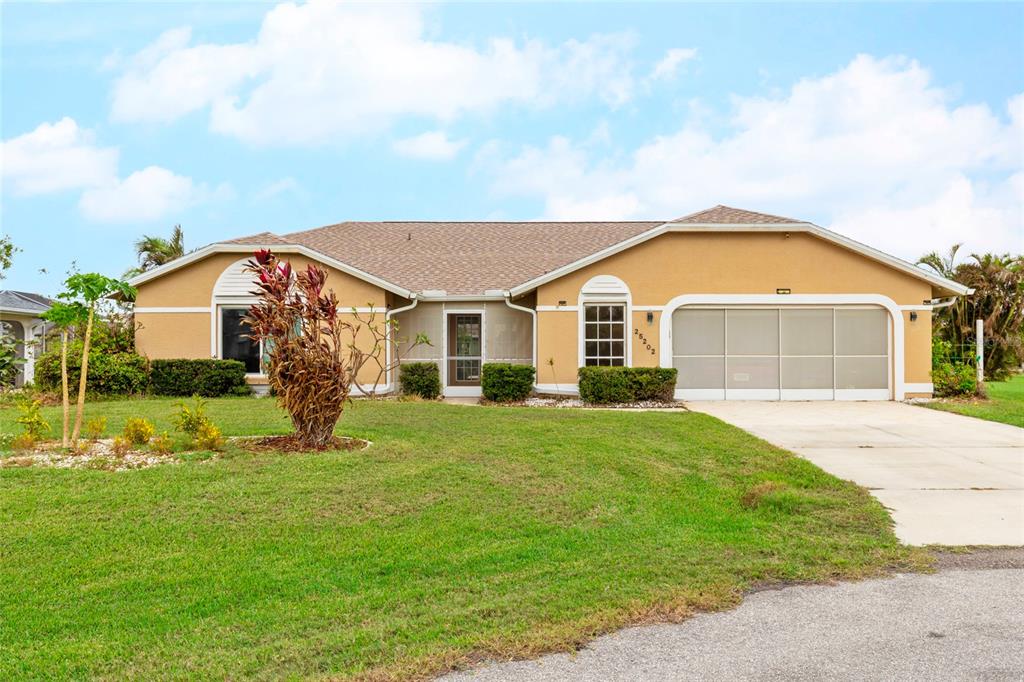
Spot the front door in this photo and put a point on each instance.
(464, 349)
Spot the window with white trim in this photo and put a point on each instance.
(235, 343)
(604, 339)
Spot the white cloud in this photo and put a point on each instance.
(62, 156)
(876, 149)
(669, 65)
(326, 70)
(56, 157)
(145, 195)
(433, 146)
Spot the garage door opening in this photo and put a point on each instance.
(782, 353)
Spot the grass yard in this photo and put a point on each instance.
(462, 532)
(1005, 403)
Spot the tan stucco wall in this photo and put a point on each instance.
(917, 345)
(188, 334)
(173, 335)
(192, 285)
(727, 263)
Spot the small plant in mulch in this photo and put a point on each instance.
(293, 443)
(95, 428)
(138, 431)
(162, 444)
(120, 446)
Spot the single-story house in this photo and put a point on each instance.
(745, 305)
(19, 318)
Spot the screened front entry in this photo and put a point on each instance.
(795, 353)
(465, 348)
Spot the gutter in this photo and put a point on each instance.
(533, 314)
(387, 347)
(937, 303)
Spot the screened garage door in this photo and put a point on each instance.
(794, 353)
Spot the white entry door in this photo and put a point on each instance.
(782, 353)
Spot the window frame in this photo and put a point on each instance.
(586, 325)
(220, 337)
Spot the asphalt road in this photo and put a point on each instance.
(960, 623)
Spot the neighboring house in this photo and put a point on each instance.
(746, 305)
(19, 317)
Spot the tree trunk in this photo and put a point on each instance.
(80, 410)
(64, 385)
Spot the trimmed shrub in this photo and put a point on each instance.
(109, 373)
(420, 378)
(207, 377)
(503, 382)
(607, 385)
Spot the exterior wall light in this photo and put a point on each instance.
(913, 316)
(783, 291)
(650, 317)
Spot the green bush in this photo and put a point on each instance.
(503, 382)
(109, 373)
(950, 376)
(420, 378)
(206, 377)
(605, 385)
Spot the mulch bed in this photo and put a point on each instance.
(291, 443)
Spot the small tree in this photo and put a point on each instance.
(87, 289)
(65, 316)
(314, 353)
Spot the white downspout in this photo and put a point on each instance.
(533, 314)
(387, 347)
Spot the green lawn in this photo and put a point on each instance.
(1005, 403)
(463, 531)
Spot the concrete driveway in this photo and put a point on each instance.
(947, 479)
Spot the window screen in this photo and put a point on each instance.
(235, 341)
(604, 341)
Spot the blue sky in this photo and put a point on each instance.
(901, 125)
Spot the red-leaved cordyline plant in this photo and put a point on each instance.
(312, 350)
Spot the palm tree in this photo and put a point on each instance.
(156, 251)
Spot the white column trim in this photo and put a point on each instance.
(895, 314)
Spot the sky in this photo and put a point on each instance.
(899, 125)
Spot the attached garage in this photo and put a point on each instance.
(780, 352)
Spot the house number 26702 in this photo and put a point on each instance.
(643, 339)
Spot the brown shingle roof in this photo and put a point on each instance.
(726, 215)
(258, 238)
(464, 258)
(469, 258)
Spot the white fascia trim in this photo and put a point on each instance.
(468, 298)
(171, 309)
(895, 316)
(919, 388)
(810, 228)
(558, 389)
(211, 249)
(574, 308)
(23, 311)
(927, 308)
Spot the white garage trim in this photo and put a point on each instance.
(783, 300)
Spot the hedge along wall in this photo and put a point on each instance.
(605, 385)
(420, 378)
(109, 373)
(207, 377)
(503, 382)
